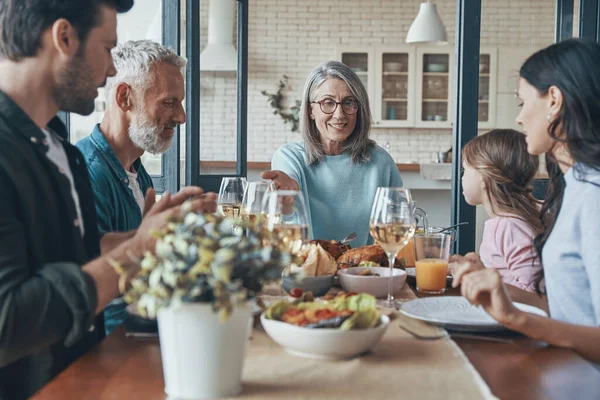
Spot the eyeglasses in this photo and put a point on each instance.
(329, 106)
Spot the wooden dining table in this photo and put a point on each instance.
(130, 368)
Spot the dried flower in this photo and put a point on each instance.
(204, 258)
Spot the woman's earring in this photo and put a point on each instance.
(548, 117)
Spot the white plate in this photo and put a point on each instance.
(456, 313)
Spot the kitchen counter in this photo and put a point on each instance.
(266, 165)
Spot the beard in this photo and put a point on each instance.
(75, 90)
(146, 135)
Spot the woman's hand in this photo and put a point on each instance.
(281, 180)
(484, 287)
(460, 265)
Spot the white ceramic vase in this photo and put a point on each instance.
(202, 356)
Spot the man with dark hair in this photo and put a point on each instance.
(54, 54)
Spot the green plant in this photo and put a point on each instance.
(276, 100)
(204, 258)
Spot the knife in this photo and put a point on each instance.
(479, 337)
(142, 335)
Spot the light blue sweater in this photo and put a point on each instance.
(339, 194)
(571, 255)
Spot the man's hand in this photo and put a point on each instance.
(187, 192)
(163, 212)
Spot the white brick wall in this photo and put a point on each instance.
(292, 36)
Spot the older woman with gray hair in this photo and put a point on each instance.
(336, 166)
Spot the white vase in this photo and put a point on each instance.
(202, 356)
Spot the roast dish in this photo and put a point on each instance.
(367, 255)
(333, 247)
(372, 255)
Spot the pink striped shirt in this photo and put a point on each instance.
(507, 245)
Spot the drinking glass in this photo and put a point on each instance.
(392, 225)
(231, 193)
(286, 219)
(253, 199)
(432, 251)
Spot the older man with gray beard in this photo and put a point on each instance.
(143, 107)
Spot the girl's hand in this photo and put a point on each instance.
(460, 265)
(485, 288)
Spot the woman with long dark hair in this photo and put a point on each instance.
(559, 88)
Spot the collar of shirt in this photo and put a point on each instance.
(100, 142)
(24, 126)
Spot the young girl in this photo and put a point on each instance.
(498, 173)
(559, 88)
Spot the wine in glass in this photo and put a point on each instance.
(253, 199)
(287, 219)
(231, 193)
(392, 225)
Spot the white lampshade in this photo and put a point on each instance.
(427, 27)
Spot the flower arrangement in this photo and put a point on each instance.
(204, 258)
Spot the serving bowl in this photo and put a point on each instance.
(373, 285)
(318, 285)
(324, 343)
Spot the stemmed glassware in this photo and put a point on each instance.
(287, 219)
(231, 193)
(392, 225)
(254, 196)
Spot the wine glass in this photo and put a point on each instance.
(392, 225)
(230, 197)
(253, 199)
(287, 219)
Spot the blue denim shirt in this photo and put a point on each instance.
(115, 204)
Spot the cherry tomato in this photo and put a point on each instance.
(351, 294)
(296, 292)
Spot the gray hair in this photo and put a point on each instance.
(358, 143)
(134, 60)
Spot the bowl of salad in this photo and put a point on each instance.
(342, 328)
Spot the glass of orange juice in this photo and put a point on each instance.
(432, 251)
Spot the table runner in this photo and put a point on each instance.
(400, 366)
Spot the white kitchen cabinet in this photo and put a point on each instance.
(434, 76)
(488, 92)
(412, 86)
(362, 62)
(394, 87)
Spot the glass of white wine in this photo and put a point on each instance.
(253, 199)
(231, 193)
(287, 219)
(392, 225)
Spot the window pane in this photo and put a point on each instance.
(507, 39)
(218, 89)
(143, 21)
